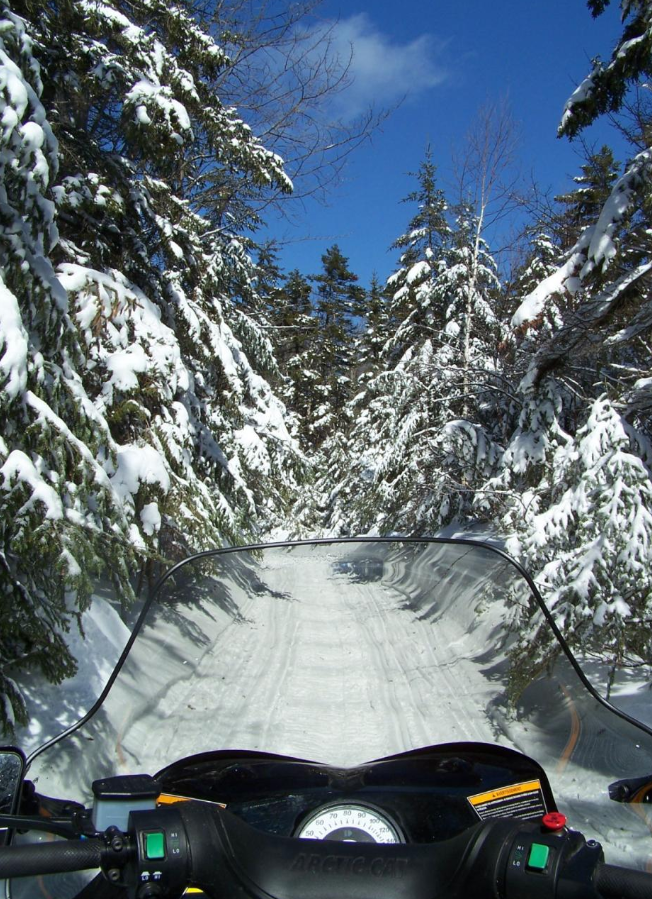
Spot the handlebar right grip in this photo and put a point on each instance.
(613, 882)
(49, 858)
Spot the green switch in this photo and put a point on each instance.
(154, 845)
(538, 857)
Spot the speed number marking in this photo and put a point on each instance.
(349, 823)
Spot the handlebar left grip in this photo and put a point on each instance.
(50, 858)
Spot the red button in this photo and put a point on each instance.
(554, 821)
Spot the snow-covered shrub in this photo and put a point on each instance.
(585, 532)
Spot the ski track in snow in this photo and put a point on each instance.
(335, 681)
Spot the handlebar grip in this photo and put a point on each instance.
(613, 882)
(49, 858)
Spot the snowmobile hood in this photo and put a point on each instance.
(341, 652)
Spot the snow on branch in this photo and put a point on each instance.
(594, 248)
(14, 344)
(581, 327)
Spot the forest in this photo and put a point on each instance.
(166, 387)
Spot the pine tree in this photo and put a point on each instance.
(467, 289)
(367, 490)
(603, 261)
(337, 303)
(296, 348)
(457, 384)
(586, 530)
(423, 427)
(581, 207)
(136, 419)
(588, 538)
(375, 333)
(542, 258)
(422, 245)
(139, 125)
(605, 87)
(62, 521)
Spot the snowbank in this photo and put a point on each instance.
(54, 707)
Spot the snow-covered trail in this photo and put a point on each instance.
(351, 677)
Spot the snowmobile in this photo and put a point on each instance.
(228, 755)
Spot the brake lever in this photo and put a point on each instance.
(62, 827)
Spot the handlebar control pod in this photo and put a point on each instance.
(210, 848)
(542, 864)
(162, 862)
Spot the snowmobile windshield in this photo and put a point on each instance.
(344, 652)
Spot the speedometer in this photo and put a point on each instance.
(349, 824)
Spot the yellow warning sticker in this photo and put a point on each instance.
(523, 800)
(172, 798)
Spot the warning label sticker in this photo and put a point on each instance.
(524, 800)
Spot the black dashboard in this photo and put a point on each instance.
(422, 796)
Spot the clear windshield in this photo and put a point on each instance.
(346, 652)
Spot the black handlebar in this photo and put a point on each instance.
(50, 858)
(201, 845)
(613, 882)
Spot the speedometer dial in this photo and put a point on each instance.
(349, 824)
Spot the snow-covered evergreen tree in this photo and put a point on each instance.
(337, 303)
(578, 463)
(140, 128)
(543, 258)
(137, 418)
(458, 380)
(585, 529)
(422, 248)
(296, 330)
(61, 519)
(582, 205)
(423, 427)
(466, 289)
(376, 329)
(608, 266)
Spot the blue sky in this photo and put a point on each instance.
(446, 60)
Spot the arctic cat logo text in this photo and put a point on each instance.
(342, 864)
